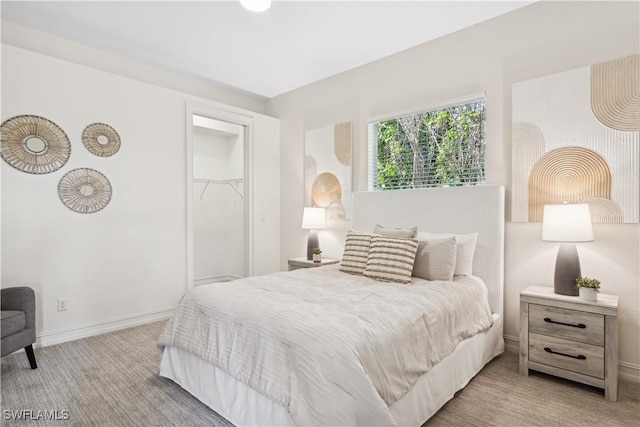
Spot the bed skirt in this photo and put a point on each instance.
(243, 406)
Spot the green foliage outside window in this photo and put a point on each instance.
(433, 149)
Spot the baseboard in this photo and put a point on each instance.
(97, 328)
(626, 371)
(629, 372)
(511, 344)
(216, 278)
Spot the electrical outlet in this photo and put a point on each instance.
(62, 304)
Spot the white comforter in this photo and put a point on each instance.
(332, 348)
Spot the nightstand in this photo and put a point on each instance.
(570, 338)
(296, 263)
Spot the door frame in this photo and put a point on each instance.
(230, 117)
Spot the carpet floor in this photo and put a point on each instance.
(112, 380)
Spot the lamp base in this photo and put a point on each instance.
(567, 270)
(312, 243)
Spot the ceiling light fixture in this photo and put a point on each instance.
(256, 5)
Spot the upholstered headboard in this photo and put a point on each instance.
(445, 210)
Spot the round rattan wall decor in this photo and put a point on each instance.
(84, 190)
(34, 144)
(101, 139)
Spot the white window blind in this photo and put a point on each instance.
(439, 146)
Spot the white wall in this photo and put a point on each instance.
(126, 263)
(35, 41)
(538, 40)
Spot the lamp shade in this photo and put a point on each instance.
(256, 5)
(313, 219)
(567, 223)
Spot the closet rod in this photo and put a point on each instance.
(233, 183)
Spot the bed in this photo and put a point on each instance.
(315, 374)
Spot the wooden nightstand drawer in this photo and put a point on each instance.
(583, 358)
(568, 324)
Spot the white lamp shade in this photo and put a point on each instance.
(256, 5)
(567, 223)
(313, 219)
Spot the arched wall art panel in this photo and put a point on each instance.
(327, 174)
(575, 138)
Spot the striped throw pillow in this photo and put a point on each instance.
(391, 259)
(356, 252)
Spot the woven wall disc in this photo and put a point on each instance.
(101, 139)
(34, 144)
(84, 190)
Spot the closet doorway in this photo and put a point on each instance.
(218, 200)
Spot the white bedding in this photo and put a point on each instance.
(329, 347)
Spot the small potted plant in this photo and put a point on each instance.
(588, 288)
(317, 255)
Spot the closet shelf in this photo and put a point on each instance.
(233, 183)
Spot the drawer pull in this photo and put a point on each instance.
(579, 325)
(579, 357)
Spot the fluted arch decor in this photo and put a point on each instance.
(615, 93)
(84, 190)
(326, 192)
(594, 113)
(34, 144)
(603, 210)
(528, 147)
(342, 143)
(101, 139)
(327, 169)
(567, 174)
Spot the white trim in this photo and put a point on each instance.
(436, 105)
(97, 328)
(234, 116)
(249, 138)
(189, 112)
(626, 371)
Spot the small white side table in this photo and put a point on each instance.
(296, 263)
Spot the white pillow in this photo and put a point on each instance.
(409, 233)
(466, 247)
(435, 259)
(391, 259)
(356, 252)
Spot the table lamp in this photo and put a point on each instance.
(567, 223)
(313, 219)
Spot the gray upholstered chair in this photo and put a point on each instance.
(18, 321)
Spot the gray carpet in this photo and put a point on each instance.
(106, 380)
(112, 380)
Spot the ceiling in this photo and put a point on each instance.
(291, 45)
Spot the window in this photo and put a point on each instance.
(439, 147)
